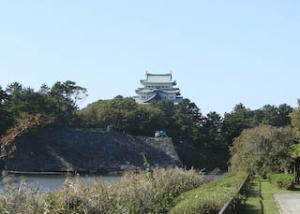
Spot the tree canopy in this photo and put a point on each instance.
(59, 101)
(263, 149)
(183, 122)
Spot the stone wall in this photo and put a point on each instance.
(88, 151)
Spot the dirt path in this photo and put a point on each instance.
(289, 203)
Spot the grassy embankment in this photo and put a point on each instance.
(211, 197)
(261, 197)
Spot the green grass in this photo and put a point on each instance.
(261, 197)
(209, 198)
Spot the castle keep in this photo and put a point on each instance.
(158, 87)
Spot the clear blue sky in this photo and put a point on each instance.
(221, 52)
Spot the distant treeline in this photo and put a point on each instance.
(184, 122)
(59, 102)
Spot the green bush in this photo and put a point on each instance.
(151, 192)
(282, 181)
(211, 197)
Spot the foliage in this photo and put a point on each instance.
(24, 125)
(295, 118)
(295, 151)
(262, 149)
(272, 115)
(261, 197)
(123, 114)
(235, 122)
(295, 154)
(283, 181)
(134, 193)
(63, 98)
(211, 197)
(243, 118)
(211, 131)
(59, 101)
(183, 122)
(188, 120)
(5, 117)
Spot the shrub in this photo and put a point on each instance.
(282, 181)
(211, 197)
(154, 192)
(20, 200)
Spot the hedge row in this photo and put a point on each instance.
(282, 181)
(211, 197)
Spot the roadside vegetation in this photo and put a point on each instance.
(263, 150)
(211, 197)
(145, 192)
(282, 181)
(261, 197)
(267, 150)
(271, 154)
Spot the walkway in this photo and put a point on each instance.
(289, 203)
(264, 198)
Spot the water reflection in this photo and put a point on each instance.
(54, 182)
(51, 182)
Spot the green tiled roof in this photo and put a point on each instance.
(159, 78)
(145, 91)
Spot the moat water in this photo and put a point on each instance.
(46, 183)
(51, 182)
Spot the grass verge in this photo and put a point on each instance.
(211, 197)
(260, 197)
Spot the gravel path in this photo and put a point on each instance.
(289, 203)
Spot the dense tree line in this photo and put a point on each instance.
(59, 102)
(273, 148)
(184, 122)
(262, 140)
